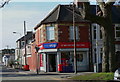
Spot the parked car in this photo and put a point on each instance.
(117, 75)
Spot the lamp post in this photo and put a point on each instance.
(97, 48)
(19, 56)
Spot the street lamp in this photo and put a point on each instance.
(19, 56)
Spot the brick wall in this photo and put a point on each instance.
(64, 32)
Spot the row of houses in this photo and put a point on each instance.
(52, 44)
(7, 56)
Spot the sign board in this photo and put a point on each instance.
(62, 45)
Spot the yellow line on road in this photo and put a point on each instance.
(55, 78)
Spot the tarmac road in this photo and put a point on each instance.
(15, 74)
(11, 75)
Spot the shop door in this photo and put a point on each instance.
(52, 62)
(82, 61)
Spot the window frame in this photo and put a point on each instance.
(49, 33)
(71, 33)
(117, 26)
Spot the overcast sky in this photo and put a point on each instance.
(16, 12)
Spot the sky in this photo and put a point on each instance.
(16, 12)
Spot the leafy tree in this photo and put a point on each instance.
(104, 19)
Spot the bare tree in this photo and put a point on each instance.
(3, 3)
(104, 19)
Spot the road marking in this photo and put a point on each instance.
(56, 78)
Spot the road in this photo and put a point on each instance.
(14, 74)
(11, 75)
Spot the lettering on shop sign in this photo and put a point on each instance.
(50, 45)
(71, 45)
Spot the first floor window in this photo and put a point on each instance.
(50, 33)
(117, 31)
(72, 33)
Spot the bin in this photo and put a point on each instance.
(95, 67)
(60, 68)
(26, 67)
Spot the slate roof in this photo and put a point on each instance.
(64, 13)
(28, 36)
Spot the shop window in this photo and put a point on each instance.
(50, 33)
(65, 58)
(72, 33)
(79, 57)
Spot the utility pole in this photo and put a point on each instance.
(97, 49)
(25, 42)
(74, 29)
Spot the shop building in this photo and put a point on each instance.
(54, 37)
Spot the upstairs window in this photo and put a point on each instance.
(72, 33)
(50, 33)
(117, 31)
(94, 32)
(101, 37)
(22, 43)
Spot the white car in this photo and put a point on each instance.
(117, 75)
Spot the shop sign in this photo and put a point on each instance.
(50, 45)
(64, 45)
(71, 45)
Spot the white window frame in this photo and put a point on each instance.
(117, 25)
(22, 43)
(71, 34)
(50, 33)
(96, 32)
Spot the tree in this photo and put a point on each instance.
(3, 3)
(104, 19)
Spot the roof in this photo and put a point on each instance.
(62, 13)
(28, 36)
